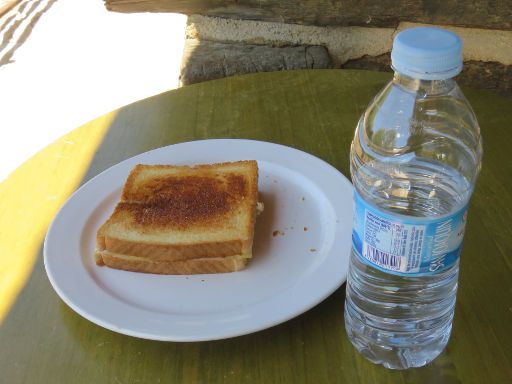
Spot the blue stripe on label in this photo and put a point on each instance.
(406, 245)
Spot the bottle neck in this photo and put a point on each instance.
(425, 87)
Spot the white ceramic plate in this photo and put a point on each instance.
(306, 200)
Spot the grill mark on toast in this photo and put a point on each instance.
(181, 201)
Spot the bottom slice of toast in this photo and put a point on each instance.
(183, 267)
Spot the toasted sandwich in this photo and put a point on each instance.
(182, 220)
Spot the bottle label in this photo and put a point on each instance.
(406, 245)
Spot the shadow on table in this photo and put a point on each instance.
(290, 350)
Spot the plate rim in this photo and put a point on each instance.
(326, 292)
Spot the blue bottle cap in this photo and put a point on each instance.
(427, 53)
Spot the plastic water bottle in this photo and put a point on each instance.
(415, 158)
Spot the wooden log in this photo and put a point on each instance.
(207, 60)
(388, 13)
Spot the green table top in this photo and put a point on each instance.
(43, 341)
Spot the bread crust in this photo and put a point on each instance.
(183, 267)
(174, 252)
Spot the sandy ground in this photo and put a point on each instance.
(78, 62)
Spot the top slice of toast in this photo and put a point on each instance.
(173, 213)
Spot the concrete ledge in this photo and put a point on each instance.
(344, 43)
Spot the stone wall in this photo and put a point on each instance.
(226, 38)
